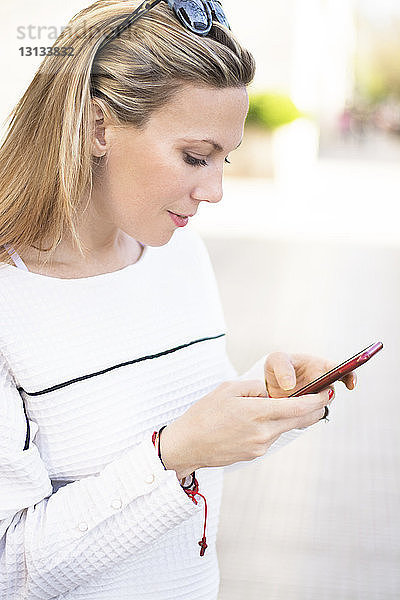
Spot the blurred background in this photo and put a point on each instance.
(305, 246)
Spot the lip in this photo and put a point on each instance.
(181, 215)
(178, 220)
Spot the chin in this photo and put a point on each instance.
(156, 241)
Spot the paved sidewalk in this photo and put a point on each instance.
(318, 520)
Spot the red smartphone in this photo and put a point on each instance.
(339, 372)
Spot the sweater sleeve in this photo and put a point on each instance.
(50, 543)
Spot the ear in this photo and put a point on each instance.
(99, 146)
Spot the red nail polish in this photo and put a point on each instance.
(330, 394)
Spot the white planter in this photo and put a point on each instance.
(255, 156)
(295, 149)
(290, 150)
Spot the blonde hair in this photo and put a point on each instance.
(46, 162)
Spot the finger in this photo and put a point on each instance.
(283, 370)
(314, 417)
(290, 408)
(248, 388)
(350, 380)
(302, 422)
(315, 366)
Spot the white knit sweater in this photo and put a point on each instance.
(88, 511)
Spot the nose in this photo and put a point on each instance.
(209, 188)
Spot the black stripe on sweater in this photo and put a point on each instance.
(129, 362)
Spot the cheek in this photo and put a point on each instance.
(162, 179)
(141, 180)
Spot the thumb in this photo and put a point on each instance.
(284, 372)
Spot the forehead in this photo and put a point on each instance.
(203, 113)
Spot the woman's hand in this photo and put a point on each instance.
(236, 422)
(286, 373)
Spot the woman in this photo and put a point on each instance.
(112, 336)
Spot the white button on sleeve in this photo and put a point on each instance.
(149, 478)
(116, 503)
(83, 526)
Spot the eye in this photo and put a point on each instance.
(196, 162)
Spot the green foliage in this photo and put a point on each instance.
(373, 86)
(270, 110)
(378, 77)
(377, 67)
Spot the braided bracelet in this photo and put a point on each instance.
(191, 489)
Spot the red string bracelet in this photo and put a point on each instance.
(191, 490)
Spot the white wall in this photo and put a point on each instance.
(302, 47)
(322, 71)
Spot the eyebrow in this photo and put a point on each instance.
(217, 146)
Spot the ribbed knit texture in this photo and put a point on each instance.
(88, 512)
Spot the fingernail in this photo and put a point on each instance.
(287, 383)
(330, 394)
